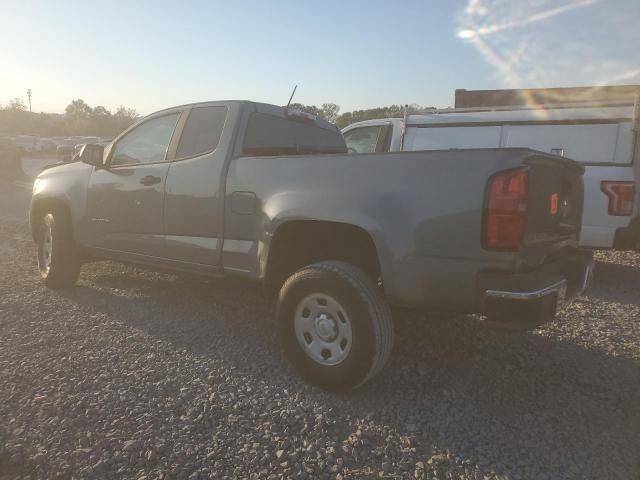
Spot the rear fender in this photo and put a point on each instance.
(281, 217)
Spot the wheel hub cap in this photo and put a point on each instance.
(323, 329)
(326, 327)
(46, 250)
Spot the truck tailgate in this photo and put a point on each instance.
(556, 198)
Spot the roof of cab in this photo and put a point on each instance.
(258, 107)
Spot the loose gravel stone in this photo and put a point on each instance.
(136, 374)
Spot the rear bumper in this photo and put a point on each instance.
(557, 288)
(533, 298)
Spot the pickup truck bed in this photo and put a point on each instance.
(252, 190)
(423, 211)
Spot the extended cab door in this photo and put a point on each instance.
(194, 199)
(125, 199)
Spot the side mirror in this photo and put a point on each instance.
(92, 154)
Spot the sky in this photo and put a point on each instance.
(150, 55)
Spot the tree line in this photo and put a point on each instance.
(79, 119)
(82, 119)
(331, 112)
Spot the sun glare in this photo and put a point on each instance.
(540, 43)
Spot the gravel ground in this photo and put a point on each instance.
(139, 375)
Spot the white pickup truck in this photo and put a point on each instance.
(603, 138)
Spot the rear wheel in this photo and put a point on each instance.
(58, 264)
(335, 325)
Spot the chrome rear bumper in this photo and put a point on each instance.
(560, 287)
(545, 290)
(532, 295)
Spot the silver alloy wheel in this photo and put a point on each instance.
(323, 329)
(47, 247)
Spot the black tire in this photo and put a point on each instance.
(58, 264)
(367, 312)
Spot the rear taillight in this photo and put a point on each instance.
(506, 210)
(620, 196)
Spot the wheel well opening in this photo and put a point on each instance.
(40, 208)
(304, 242)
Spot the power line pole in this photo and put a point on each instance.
(29, 95)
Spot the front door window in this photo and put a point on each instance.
(147, 143)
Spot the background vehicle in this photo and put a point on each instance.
(46, 145)
(88, 139)
(26, 143)
(603, 137)
(9, 157)
(77, 148)
(66, 148)
(257, 191)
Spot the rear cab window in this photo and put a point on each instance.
(271, 134)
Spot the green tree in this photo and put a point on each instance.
(124, 118)
(16, 104)
(310, 109)
(101, 120)
(392, 111)
(100, 113)
(78, 109)
(77, 115)
(329, 112)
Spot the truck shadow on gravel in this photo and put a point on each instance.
(617, 283)
(511, 403)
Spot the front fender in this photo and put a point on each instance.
(64, 185)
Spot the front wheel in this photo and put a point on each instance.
(335, 326)
(58, 264)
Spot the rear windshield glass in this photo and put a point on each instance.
(272, 135)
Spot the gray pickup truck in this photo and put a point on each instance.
(237, 188)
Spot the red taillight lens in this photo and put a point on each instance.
(506, 215)
(620, 196)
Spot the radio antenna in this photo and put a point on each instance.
(292, 94)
